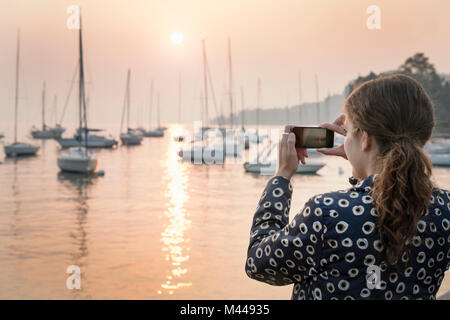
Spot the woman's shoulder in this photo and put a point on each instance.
(440, 197)
(344, 199)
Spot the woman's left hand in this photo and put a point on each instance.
(288, 155)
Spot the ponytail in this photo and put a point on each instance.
(401, 194)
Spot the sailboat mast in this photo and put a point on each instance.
(43, 108)
(243, 106)
(16, 100)
(257, 116)
(287, 108)
(157, 106)
(205, 80)
(202, 113)
(258, 106)
(317, 99)
(128, 100)
(300, 115)
(151, 106)
(230, 70)
(179, 97)
(55, 109)
(82, 94)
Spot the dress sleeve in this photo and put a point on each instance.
(281, 253)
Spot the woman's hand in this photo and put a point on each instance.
(288, 155)
(336, 126)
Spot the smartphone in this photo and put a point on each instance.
(313, 137)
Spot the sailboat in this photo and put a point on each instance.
(82, 136)
(160, 128)
(156, 133)
(131, 136)
(178, 137)
(255, 137)
(18, 148)
(46, 132)
(78, 159)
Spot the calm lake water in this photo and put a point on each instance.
(153, 227)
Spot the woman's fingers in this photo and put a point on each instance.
(340, 120)
(337, 151)
(302, 154)
(288, 160)
(334, 127)
(284, 138)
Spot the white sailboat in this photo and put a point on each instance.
(18, 148)
(78, 159)
(46, 132)
(83, 137)
(131, 136)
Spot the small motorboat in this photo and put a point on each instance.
(77, 160)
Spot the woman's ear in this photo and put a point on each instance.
(366, 141)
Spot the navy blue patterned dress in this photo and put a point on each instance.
(331, 249)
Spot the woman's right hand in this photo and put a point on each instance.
(336, 126)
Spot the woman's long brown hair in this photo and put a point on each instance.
(399, 114)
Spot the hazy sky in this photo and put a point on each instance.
(273, 40)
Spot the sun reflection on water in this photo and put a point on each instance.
(175, 244)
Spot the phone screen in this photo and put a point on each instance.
(313, 137)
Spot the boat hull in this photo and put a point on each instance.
(441, 160)
(131, 140)
(46, 134)
(309, 168)
(91, 143)
(20, 149)
(153, 134)
(77, 160)
(77, 165)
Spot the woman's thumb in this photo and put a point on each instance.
(291, 139)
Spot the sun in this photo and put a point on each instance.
(176, 38)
